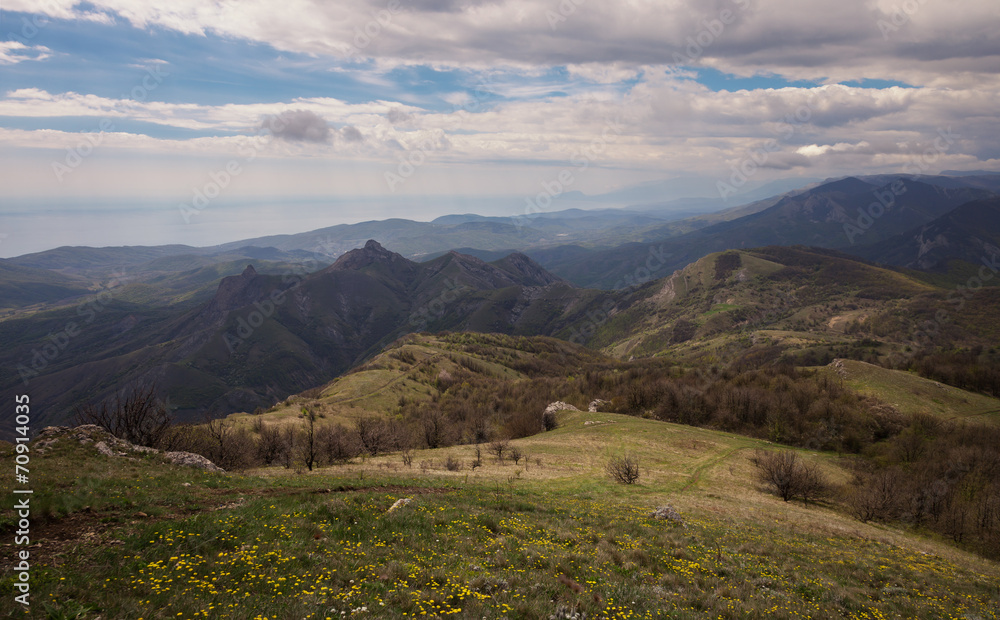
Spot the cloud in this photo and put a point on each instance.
(351, 134)
(297, 126)
(603, 40)
(13, 52)
(396, 116)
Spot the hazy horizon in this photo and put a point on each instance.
(419, 108)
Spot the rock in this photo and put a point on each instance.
(191, 460)
(667, 513)
(185, 484)
(594, 404)
(560, 406)
(399, 504)
(109, 445)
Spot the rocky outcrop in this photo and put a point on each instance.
(596, 404)
(109, 445)
(560, 406)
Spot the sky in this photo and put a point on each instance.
(128, 122)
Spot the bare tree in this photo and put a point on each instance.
(788, 476)
(134, 414)
(337, 443)
(498, 448)
(623, 469)
(269, 444)
(310, 448)
(514, 453)
(777, 469)
(376, 434)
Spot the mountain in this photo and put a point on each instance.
(25, 286)
(806, 306)
(261, 337)
(841, 214)
(970, 233)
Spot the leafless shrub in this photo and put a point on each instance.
(337, 443)
(874, 497)
(229, 447)
(134, 414)
(407, 457)
(498, 448)
(514, 453)
(269, 444)
(788, 476)
(623, 469)
(377, 435)
(452, 464)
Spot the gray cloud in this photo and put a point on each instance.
(351, 134)
(297, 126)
(397, 116)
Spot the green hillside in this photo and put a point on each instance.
(912, 394)
(549, 536)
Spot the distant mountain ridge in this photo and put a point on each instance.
(263, 336)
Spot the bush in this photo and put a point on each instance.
(452, 463)
(788, 476)
(498, 448)
(134, 414)
(623, 469)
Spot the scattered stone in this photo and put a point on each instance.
(185, 484)
(667, 513)
(141, 515)
(399, 504)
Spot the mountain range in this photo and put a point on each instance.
(241, 326)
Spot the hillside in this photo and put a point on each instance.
(528, 540)
(786, 298)
(262, 337)
(22, 286)
(819, 216)
(969, 234)
(914, 395)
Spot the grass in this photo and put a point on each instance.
(912, 394)
(500, 541)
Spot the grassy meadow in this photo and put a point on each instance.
(549, 536)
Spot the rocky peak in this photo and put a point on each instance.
(373, 252)
(237, 291)
(526, 271)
